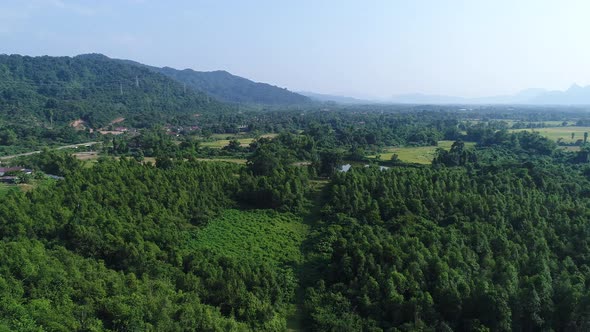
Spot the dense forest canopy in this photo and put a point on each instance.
(491, 238)
(93, 88)
(200, 216)
(453, 249)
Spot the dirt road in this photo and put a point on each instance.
(58, 148)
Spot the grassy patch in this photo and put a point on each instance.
(512, 122)
(555, 133)
(417, 154)
(6, 188)
(254, 235)
(570, 148)
(224, 142)
(221, 140)
(227, 160)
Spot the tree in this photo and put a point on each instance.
(329, 161)
(8, 137)
(233, 146)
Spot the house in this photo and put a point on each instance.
(345, 168)
(4, 170)
(8, 179)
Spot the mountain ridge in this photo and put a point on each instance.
(93, 88)
(575, 95)
(227, 87)
(321, 97)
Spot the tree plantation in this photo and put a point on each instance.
(130, 201)
(487, 238)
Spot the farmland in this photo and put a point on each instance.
(417, 154)
(563, 133)
(218, 144)
(218, 141)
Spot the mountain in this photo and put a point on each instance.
(419, 98)
(231, 88)
(575, 95)
(523, 97)
(337, 99)
(94, 89)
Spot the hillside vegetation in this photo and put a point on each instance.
(93, 88)
(231, 88)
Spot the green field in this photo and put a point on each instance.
(254, 235)
(512, 122)
(6, 188)
(218, 144)
(555, 133)
(221, 140)
(226, 160)
(417, 154)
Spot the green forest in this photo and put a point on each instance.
(205, 216)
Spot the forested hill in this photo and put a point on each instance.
(56, 90)
(231, 88)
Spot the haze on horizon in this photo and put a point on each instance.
(363, 49)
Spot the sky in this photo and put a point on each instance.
(365, 49)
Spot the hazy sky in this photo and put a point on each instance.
(360, 48)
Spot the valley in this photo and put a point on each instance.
(160, 208)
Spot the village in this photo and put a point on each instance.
(19, 175)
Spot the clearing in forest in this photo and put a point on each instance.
(261, 235)
(244, 142)
(555, 133)
(222, 140)
(417, 154)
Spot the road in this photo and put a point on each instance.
(59, 148)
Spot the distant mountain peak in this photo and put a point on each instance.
(335, 98)
(574, 87)
(575, 95)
